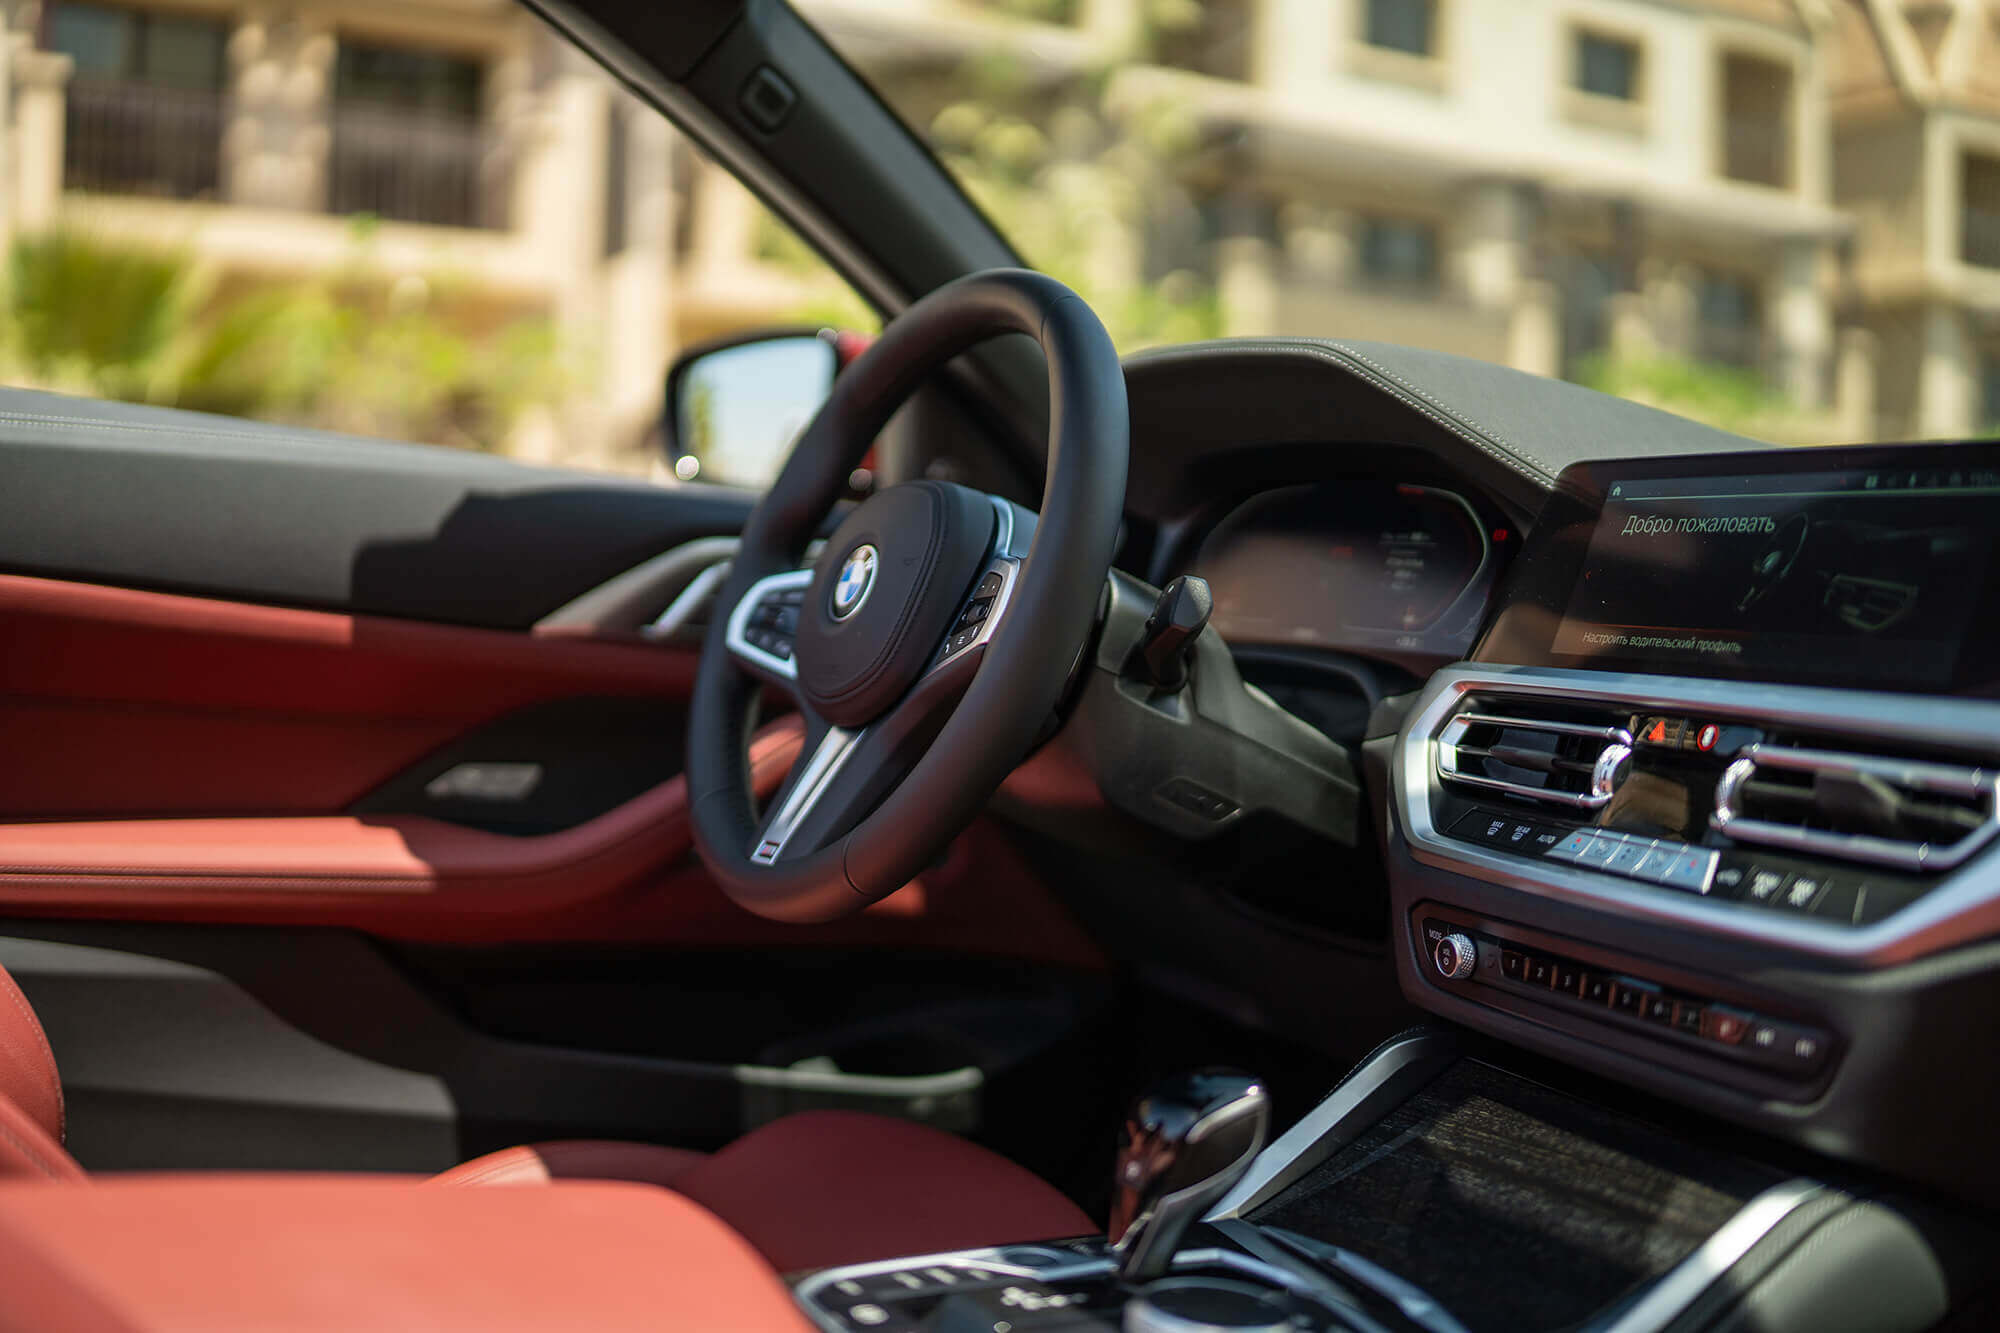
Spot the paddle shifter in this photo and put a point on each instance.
(1186, 1143)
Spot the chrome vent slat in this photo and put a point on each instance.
(1452, 756)
(1964, 782)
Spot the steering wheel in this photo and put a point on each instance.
(930, 642)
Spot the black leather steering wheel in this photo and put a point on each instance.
(929, 643)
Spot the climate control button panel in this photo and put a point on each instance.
(1845, 894)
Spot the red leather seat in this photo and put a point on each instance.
(809, 1191)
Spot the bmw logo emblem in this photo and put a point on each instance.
(857, 576)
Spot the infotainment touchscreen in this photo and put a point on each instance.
(1869, 567)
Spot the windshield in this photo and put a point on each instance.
(1718, 207)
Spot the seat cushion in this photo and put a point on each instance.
(27, 1067)
(824, 1187)
(573, 1159)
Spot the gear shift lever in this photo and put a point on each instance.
(1186, 1142)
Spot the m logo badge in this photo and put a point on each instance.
(857, 576)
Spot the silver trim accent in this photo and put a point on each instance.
(1951, 779)
(1396, 1070)
(692, 599)
(1963, 908)
(613, 606)
(1603, 772)
(818, 774)
(739, 622)
(1684, 1283)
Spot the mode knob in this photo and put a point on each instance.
(1454, 956)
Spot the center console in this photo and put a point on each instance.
(1712, 809)
(1435, 1192)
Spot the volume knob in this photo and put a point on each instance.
(1454, 956)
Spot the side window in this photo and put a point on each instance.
(428, 222)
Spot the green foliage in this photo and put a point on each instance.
(1077, 188)
(114, 320)
(80, 310)
(1728, 397)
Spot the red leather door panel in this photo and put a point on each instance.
(116, 702)
(186, 758)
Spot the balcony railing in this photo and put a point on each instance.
(1980, 241)
(137, 138)
(411, 167)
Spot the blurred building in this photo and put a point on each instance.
(1804, 189)
(1916, 108)
(485, 154)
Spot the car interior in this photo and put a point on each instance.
(1268, 833)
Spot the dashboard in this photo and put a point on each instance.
(1694, 783)
(1712, 805)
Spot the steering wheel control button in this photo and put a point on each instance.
(1454, 956)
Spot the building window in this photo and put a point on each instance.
(1729, 321)
(1209, 37)
(1607, 66)
(1409, 26)
(408, 141)
(1756, 120)
(1979, 216)
(1398, 252)
(143, 114)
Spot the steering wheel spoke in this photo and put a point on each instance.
(762, 635)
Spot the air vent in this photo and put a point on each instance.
(1904, 813)
(1565, 763)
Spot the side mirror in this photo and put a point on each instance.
(735, 407)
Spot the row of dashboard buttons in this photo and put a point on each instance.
(1785, 1047)
(1672, 864)
(1656, 861)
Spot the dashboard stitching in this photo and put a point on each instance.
(1507, 445)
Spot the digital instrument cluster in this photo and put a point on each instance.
(1374, 568)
